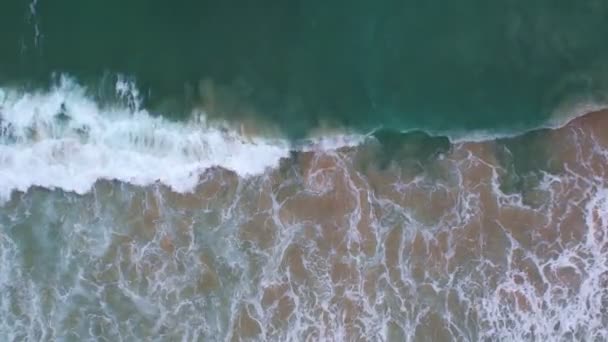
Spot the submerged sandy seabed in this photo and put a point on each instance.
(494, 240)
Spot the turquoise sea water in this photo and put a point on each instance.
(303, 170)
(398, 64)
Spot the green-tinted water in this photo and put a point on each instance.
(400, 64)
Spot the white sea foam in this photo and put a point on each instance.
(62, 138)
(486, 283)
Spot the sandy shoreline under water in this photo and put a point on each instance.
(494, 240)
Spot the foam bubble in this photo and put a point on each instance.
(63, 139)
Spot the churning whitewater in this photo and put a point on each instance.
(61, 138)
(119, 225)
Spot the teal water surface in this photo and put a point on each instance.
(398, 64)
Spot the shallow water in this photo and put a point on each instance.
(497, 240)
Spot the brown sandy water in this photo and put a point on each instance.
(496, 240)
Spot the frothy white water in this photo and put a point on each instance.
(328, 252)
(64, 139)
